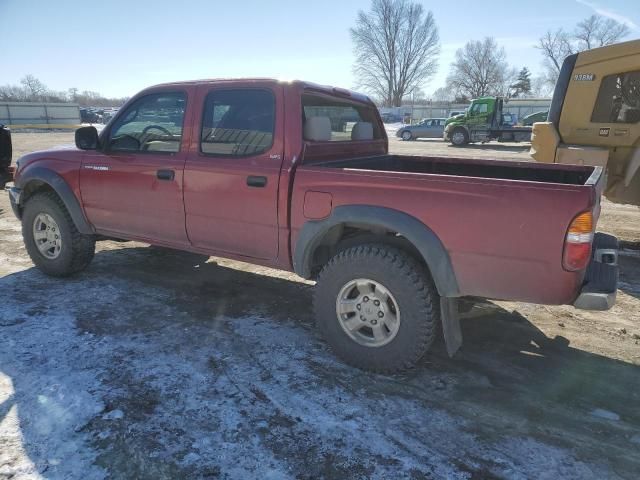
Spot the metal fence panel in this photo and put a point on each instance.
(33, 113)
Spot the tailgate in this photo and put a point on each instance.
(598, 181)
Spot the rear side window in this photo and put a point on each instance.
(153, 124)
(238, 123)
(618, 99)
(343, 115)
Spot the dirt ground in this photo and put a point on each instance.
(168, 365)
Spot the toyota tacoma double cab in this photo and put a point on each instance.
(266, 172)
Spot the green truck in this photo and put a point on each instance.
(482, 122)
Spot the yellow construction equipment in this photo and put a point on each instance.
(595, 118)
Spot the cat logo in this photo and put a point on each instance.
(584, 77)
(604, 132)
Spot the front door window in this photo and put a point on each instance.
(152, 124)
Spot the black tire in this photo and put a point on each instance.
(407, 135)
(464, 137)
(76, 251)
(413, 290)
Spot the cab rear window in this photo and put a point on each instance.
(348, 121)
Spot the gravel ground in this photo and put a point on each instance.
(155, 364)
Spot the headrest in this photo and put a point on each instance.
(362, 131)
(317, 129)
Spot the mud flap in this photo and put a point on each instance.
(451, 324)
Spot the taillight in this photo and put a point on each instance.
(577, 245)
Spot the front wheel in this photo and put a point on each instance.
(377, 308)
(459, 137)
(52, 239)
(406, 136)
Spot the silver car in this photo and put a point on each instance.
(427, 128)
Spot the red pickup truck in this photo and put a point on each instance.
(298, 177)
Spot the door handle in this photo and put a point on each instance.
(256, 181)
(165, 174)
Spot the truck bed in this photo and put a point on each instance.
(503, 224)
(465, 167)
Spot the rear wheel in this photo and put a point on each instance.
(459, 137)
(52, 239)
(377, 308)
(406, 136)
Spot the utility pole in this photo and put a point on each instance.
(412, 103)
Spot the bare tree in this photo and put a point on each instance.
(597, 31)
(35, 88)
(480, 69)
(396, 46)
(555, 46)
(443, 94)
(541, 87)
(506, 87)
(73, 94)
(592, 32)
(13, 93)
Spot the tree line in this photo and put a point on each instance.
(396, 45)
(31, 89)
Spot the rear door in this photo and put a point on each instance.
(133, 185)
(436, 129)
(232, 173)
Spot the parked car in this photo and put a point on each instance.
(532, 118)
(391, 118)
(427, 128)
(89, 116)
(243, 169)
(108, 114)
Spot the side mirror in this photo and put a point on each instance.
(87, 138)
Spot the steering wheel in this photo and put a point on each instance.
(157, 127)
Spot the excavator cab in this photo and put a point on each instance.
(595, 118)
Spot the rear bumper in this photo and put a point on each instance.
(601, 280)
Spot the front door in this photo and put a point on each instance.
(479, 115)
(232, 174)
(132, 185)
